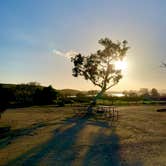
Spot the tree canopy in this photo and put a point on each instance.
(99, 67)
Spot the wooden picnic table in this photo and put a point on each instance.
(108, 111)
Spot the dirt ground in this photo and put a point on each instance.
(50, 136)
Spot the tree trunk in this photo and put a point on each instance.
(93, 103)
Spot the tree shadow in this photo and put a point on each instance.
(10, 135)
(104, 151)
(57, 151)
(61, 148)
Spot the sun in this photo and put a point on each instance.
(120, 65)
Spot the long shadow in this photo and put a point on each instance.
(104, 151)
(11, 135)
(60, 149)
(57, 151)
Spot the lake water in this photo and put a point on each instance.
(117, 94)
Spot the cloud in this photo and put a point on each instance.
(67, 54)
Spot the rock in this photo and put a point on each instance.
(161, 110)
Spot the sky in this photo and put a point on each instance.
(37, 36)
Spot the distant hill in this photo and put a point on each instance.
(11, 86)
(8, 85)
(69, 92)
(63, 91)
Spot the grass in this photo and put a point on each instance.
(120, 102)
(49, 135)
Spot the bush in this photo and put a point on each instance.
(60, 103)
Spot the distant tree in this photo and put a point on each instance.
(80, 94)
(154, 93)
(144, 93)
(132, 93)
(34, 94)
(34, 83)
(92, 92)
(125, 93)
(5, 96)
(48, 95)
(24, 94)
(99, 67)
(38, 96)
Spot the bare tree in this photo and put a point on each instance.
(99, 67)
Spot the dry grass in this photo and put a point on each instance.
(48, 135)
(142, 135)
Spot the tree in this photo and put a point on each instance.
(154, 93)
(130, 93)
(47, 95)
(92, 92)
(5, 96)
(144, 93)
(99, 67)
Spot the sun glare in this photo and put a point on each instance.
(120, 65)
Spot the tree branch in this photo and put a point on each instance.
(111, 85)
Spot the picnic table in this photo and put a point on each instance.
(105, 111)
(108, 111)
